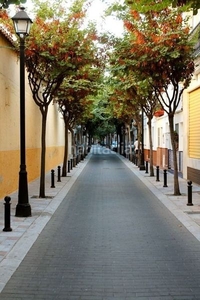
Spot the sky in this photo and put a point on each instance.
(96, 12)
(109, 23)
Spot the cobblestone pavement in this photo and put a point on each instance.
(111, 238)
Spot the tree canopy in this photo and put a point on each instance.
(156, 53)
(60, 50)
(6, 3)
(158, 5)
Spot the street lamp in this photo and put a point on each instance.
(142, 166)
(22, 25)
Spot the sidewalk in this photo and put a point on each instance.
(14, 245)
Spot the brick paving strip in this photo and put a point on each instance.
(110, 239)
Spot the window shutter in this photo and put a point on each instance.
(194, 124)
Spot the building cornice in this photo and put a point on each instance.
(7, 35)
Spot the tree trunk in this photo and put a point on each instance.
(44, 111)
(89, 140)
(124, 140)
(176, 182)
(65, 158)
(73, 145)
(130, 143)
(151, 147)
(79, 140)
(121, 140)
(139, 134)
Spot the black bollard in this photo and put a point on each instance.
(157, 173)
(69, 166)
(7, 214)
(147, 167)
(165, 178)
(189, 193)
(74, 162)
(71, 163)
(59, 179)
(52, 179)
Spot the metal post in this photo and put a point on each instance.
(136, 160)
(69, 166)
(190, 194)
(74, 161)
(7, 214)
(71, 163)
(142, 167)
(147, 167)
(165, 178)
(59, 179)
(157, 173)
(23, 208)
(52, 179)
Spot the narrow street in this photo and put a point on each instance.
(110, 239)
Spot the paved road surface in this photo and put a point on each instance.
(110, 239)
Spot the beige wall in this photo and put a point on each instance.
(9, 126)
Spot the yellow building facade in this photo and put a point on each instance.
(10, 125)
(191, 108)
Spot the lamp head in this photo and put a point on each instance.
(22, 23)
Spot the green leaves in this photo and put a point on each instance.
(6, 3)
(145, 6)
(153, 54)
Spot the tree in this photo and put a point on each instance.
(122, 99)
(6, 3)
(135, 93)
(74, 96)
(74, 101)
(148, 5)
(149, 107)
(55, 48)
(161, 53)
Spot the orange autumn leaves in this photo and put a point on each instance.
(156, 39)
(155, 52)
(157, 30)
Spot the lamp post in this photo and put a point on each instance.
(22, 27)
(142, 166)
